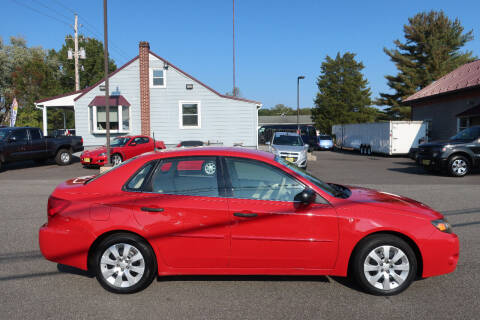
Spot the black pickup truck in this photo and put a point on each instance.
(458, 155)
(25, 143)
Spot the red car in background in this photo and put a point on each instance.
(238, 211)
(122, 148)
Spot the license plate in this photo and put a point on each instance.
(86, 160)
(426, 162)
(290, 159)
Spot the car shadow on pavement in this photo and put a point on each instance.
(72, 270)
(258, 278)
(32, 164)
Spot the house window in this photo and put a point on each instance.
(157, 78)
(190, 115)
(463, 124)
(119, 119)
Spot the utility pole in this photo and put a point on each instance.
(234, 93)
(77, 76)
(107, 94)
(76, 54)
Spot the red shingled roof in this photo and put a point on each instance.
(112, 101)
(464, 77)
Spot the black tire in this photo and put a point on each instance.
(63, 157)
(375, 242)
(138, 244)
(458, 166)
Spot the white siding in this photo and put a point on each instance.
(126, 83)
(224, 121)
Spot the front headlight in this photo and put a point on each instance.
(442, 225)
(102, 154)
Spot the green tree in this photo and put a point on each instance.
(343, 94)
(91, 69)
(431, 49)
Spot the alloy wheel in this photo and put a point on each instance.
(459, 167)
(386, 267)
(116, 160)
(65, 157)
(122, 265)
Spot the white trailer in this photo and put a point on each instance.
(389, 138)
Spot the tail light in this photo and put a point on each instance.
(179, 145)
(56, 205)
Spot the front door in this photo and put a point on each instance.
(183, 213)
(15, 148)
(269, 229)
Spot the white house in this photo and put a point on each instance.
(149, 95)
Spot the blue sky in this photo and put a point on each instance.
(276, 40)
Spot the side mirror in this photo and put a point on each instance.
(133, 144)
(306, 197)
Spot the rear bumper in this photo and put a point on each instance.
(440, 254)
(64, 244)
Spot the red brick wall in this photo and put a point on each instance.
(144, 49)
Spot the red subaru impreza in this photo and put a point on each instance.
(238, 211)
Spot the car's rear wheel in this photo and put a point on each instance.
(124, 263)
(116, 159)
(384, 265)
(63, 157)
(458, 166)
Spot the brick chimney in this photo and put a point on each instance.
(144, 49)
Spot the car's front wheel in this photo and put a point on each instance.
(124, 263)
(459, 166)
(384, 265)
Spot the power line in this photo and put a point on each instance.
(40, 12)
(64, 6)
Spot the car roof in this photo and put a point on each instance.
(211, 151)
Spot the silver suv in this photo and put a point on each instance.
(289, 146)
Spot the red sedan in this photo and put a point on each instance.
(123, 148)
(239, 211)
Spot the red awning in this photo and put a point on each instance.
(113, 101)
(475, 111)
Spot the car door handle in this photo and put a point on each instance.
(245, 215)
(146, 209)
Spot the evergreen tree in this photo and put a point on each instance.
(343, 94)
(431, 50)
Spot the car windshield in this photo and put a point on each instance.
(467, 134)
(325, 138)
(3, 134)
(332, 189)
(119, 142)
(284, 140)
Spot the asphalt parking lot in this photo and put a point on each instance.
(33, 288)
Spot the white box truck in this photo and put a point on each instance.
(389, 138)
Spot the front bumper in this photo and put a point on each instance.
(440, 254)
(435, 161)
(93, 160)
(65, 244)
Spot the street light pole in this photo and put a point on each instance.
(107, 94)
(298, 102)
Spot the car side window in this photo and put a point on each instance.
(140, 140)
(194, 176)
(35, 134)
(138, 179)
(260, 181)
(19, 135)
